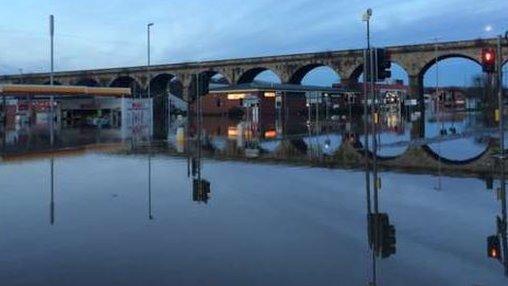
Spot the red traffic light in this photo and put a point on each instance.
(494, 247)
(488, 55)
(488, 60)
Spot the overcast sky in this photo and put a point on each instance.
(111, 33)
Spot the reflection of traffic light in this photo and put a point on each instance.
(388, 239)
(194, 166)
(489, 181)
(494, 247)
(200, 190)
(383, 64)
(382, 235)
(489, 60)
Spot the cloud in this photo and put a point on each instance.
(98, 34)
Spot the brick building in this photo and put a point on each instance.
(268, 97)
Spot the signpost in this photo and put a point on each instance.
(137, 117)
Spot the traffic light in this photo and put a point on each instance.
(489, 60)
(383, 63)
(494, 247)
(200, 82)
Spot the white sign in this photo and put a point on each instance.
(410, 102)
(137, 117)
(313, 97)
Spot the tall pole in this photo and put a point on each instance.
(501, 140)
(375, 120)
(500, 94)
(51, 77)
(366, 68)
(148, 59)
(52, 36)
(436, 61)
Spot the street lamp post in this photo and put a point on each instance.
(367, 66)
(51, 77)
(366, 69)
(148, 58)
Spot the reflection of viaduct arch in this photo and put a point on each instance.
(429, 151)
(362, 151)
(289, 147)
(445, 160)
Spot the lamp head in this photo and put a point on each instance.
(367, 15)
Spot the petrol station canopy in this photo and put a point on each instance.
(62, 90)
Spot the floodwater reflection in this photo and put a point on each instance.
(127, 212)
(269, 224)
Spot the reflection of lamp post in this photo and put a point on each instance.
(150, 216)
(52, 192)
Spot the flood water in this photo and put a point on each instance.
(102, 210)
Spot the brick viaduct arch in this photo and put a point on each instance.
(414, 59)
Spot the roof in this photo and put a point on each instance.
(66, 90)
(268, 86)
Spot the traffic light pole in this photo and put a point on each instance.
(375, 119)
(500, 91)
(500, 94)
(504, 238)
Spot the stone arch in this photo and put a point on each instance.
(208, 75)
(357, 70)
(416, 83)
(298, 76)
(249, 75)
(418, 80)
(86, 81)
(159, 84)
(128, 82)
(55, 82)
(430, 62)
(176, 87)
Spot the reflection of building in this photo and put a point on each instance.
(133, 115)
(450, 97)
(271, 98)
